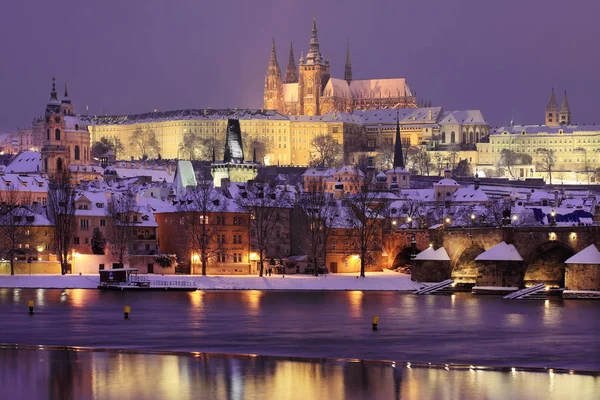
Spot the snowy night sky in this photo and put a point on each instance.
(130, 56)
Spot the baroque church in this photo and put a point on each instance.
(310, 89)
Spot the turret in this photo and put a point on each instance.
(65, 105)
(53, 105)
(398, 158)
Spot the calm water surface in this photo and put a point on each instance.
(463, 329)
(448, 329)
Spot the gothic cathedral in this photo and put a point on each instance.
(311, 90)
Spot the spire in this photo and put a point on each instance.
(66, 99)
(53, 94)
(398, 159)
(314, 54)
(348, 68)
(564, 107)
(552, 104)
(273, 57)
(291, 76)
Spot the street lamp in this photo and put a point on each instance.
(552, 217)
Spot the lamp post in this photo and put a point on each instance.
(552, 218)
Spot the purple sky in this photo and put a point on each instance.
(500, 56)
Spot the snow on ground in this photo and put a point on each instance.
(374, 281)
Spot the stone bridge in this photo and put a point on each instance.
(544, 250)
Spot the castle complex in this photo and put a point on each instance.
(311, 90)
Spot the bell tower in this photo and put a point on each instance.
(552, 111)
(314, 75)
(55, 156)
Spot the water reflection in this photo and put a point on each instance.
(252, 300)
(355, 300)
(62, 374)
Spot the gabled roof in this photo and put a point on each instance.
(589, 255)
(500, 252)
(337, 88)
(430, 254)
(26, 161)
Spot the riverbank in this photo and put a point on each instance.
(374, 281)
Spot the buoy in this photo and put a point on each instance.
(30, 305)
(127, 310)
(375, 321)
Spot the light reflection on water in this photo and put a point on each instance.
(112, 375)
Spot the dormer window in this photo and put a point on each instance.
(100, 205)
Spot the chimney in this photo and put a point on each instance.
(429, 114)
(476, 186)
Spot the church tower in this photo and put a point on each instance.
(348, 67)
(314, 75)
(273, 99)
(54, 151)
(565, 111)
(552, 111)
(291, 76)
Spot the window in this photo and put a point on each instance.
(59, 164)
(57, 134)
(221, 257)
(77, 153)
(452, 137)
(84, 224)
(237, 257)
(221, 239)
(75, 240)
(47, 134)
(102, 222)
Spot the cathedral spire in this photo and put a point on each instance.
(314, 55)
(273, 57)
(552, 104)
(398, 159)
(564, 107)
(348, 68)
(291, 76)
(66, 99)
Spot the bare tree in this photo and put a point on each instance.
(419, 159)
(265, 202)
(451, 158)
(508, 159)
(191, 146)
(120, 214)
(365, 214)
(145, 142)
(61, 212)
(319, 211)
(385, 158)
(546, 161)
(497, 211)
(16, 219)
(261, 145)
(326, 152)
(202, 211)
(438, 162)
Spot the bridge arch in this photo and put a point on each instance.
(547, 264)
(402, 259)
(464, 270)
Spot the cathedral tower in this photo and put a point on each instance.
(54, 151)
(314, 75)
(552, 111)
(273, 99)
(564, 116)
(291, 76)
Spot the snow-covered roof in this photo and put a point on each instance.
(469, 194)
(446, 182)
(500, 252)
(23, 183)
(337, 88)
(464, 117)
(589, 255)
(420, 116)
(156, 175)
(545, 129)
(430, 254)
(25, 161)
(188, 114)
(392, 87)
(75, 124)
